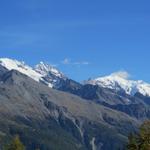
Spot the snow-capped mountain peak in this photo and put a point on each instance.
(120, 81)
(44, 69)
(11, 64)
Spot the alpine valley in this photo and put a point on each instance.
(51, 111)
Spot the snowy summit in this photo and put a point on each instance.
(120, 81)
(44, 69)
(21, 67)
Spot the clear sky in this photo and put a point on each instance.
(84, 38)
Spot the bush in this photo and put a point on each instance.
(140, 141)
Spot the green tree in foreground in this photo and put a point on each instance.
(140, 141)
(16, 144)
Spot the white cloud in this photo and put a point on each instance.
(85, 63)
(54, 65)
(68, 61)
(122, 74)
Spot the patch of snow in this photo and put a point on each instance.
(93, 144)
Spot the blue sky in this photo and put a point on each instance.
(84, 38)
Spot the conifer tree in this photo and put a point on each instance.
(16, 144)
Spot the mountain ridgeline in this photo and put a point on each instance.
(50, 111)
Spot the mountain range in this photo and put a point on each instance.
(51, 111)
(51, 76)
